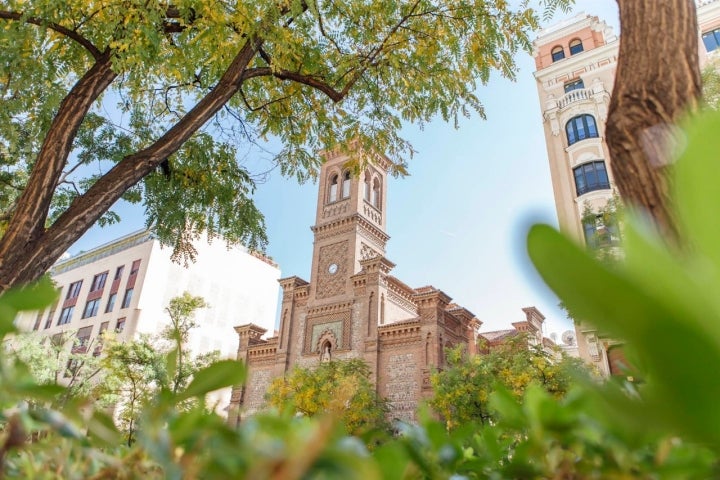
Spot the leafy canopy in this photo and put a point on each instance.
(193, 83)
(340, 387)
(462, 390)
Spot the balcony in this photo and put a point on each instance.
(573, 96)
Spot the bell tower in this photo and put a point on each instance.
(349, 222)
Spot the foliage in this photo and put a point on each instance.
(662, 300)
(135, 370)
(606, 223)
(341, 387)
(52, 362)
(156, 102)
(711, 85)
(462, 390)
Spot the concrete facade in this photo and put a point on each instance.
(352, 307)
(574, 88)
(140, 279)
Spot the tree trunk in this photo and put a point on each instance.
(26, 256)
(27, 224)
(657, 82)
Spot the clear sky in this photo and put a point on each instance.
(459, 221)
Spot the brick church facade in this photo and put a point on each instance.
(353, 307)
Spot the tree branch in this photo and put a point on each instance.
(71, 34)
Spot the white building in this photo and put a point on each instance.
(125, 285)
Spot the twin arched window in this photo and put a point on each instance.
(558, 52)
(372, 191)
(335, 185)
(580, 127)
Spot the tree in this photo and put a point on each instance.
(462, 391)
(181, 311)
(136, 370)
(150, 101)
(53, 362)
(657, 83)
(340, 387)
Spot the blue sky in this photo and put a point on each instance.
(458, 222)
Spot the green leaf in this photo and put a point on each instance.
(101, 427)
(657, 323)
(696, 189)
(224, 373)
(31, 297)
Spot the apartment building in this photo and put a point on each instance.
(125, 285)
(575, 63)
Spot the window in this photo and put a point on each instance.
(599, 234)
(557, 53)
(574, 85)
(120, 325)
(71, 368)
(346, 185)
(711, 39)
(580, 127)
(333, 189)
(58, 340)
(119, 272)
(74, 290)
(111, 302)
(51, 314)
(66, 315)
(38, 319)
(576, 46)
(376, 193)
(98, 282)
(91, 308)
(83, 340)
(135, 267)
(98, 348)
(127, 298)
(366, 187)
(591, 176)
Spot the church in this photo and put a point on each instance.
(352, 307)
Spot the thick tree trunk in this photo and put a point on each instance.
(27, 223)
(26, 256)
(657, 82)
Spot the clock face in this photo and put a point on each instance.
(333, 268)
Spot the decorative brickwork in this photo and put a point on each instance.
(336, 322)
(331, 284)
(402, 386)
(367, 252)
(258, 383)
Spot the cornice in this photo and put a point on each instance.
(292, 282)
(250, 330)
(354, 219)
(330, 308)
(408, 331)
